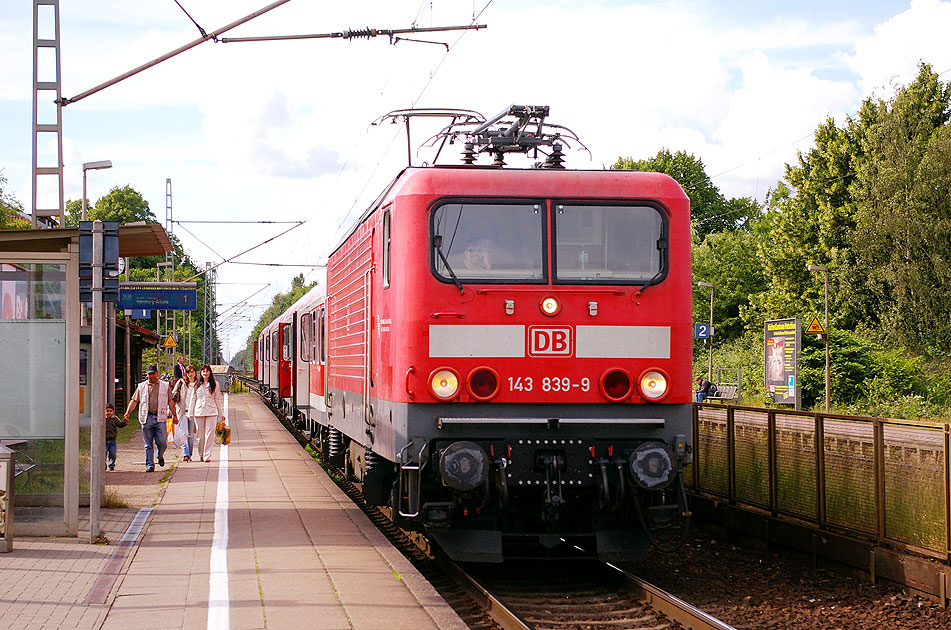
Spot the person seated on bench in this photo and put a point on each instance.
(703, 389)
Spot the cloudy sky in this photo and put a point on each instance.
(281, 130)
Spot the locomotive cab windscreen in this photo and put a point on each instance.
(594, 243)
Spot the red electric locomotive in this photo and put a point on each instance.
(508, 351)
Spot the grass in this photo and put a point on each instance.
(112, 499)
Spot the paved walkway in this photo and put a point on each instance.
(45, 582)
(259, 538)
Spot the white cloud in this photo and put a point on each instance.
(891, 54)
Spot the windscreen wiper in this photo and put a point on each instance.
(661, 245)
(437, 243)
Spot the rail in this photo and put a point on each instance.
(884, 479)
(492, 605)
(690, 617)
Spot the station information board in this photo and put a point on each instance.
(158, 299)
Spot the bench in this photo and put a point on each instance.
(725, 392)
(22, 463)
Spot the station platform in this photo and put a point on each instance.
(260, 537)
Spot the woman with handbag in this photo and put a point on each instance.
(182, 395)
(207, 408)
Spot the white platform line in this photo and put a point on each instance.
(219, 615)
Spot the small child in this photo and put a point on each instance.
(113, 422)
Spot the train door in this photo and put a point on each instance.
(286, 357)
(254, 368)
(302, 364)
(368, 343)
(265, 358)
(318, 359)
(274, 359)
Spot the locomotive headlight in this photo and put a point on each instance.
(463, 466)
(653, 385)
(444, 384)
(651, 466)
(550, 306)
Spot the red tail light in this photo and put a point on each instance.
(616, 385)
(483, 383)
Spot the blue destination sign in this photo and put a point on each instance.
(158, 299)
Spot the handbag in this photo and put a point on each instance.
(177, 392)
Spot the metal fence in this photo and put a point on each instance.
(887, 479)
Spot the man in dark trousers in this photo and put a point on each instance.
(152, 397)
(179, 371)
(703, 389)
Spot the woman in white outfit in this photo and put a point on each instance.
(185, 429)
(207, 407)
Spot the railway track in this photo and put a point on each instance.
(590, 595)
(535, 596)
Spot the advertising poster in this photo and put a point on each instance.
(782, 359)
(8, 293)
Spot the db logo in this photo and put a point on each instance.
(546, 341)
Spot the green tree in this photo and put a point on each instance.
(902, 193)
(871, 202)
(10, 206)
(728, 260)
(125, 205)
(709, 210)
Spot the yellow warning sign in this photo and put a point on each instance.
(815, 326)
(170, 342)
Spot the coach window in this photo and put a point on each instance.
(386, 249)
(288, 341)
(609, 244)
(488, 241)
(323, 337)
(275, 346)
(305, 330)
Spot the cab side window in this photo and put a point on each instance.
(386, 249)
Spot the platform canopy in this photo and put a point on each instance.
(135, 239)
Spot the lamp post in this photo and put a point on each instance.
(825, 271)
(709, 285)
(87, 167)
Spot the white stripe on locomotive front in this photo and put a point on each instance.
(622, 342)
(508, 341)
(476, 341)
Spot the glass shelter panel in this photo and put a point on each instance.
(33, 396)
(796, 465)
(751, 448)
(914, 485)
(849, 452)
(711, 463)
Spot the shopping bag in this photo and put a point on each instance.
(222, 433)
(170, 429)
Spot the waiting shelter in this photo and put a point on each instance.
(40, 369)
